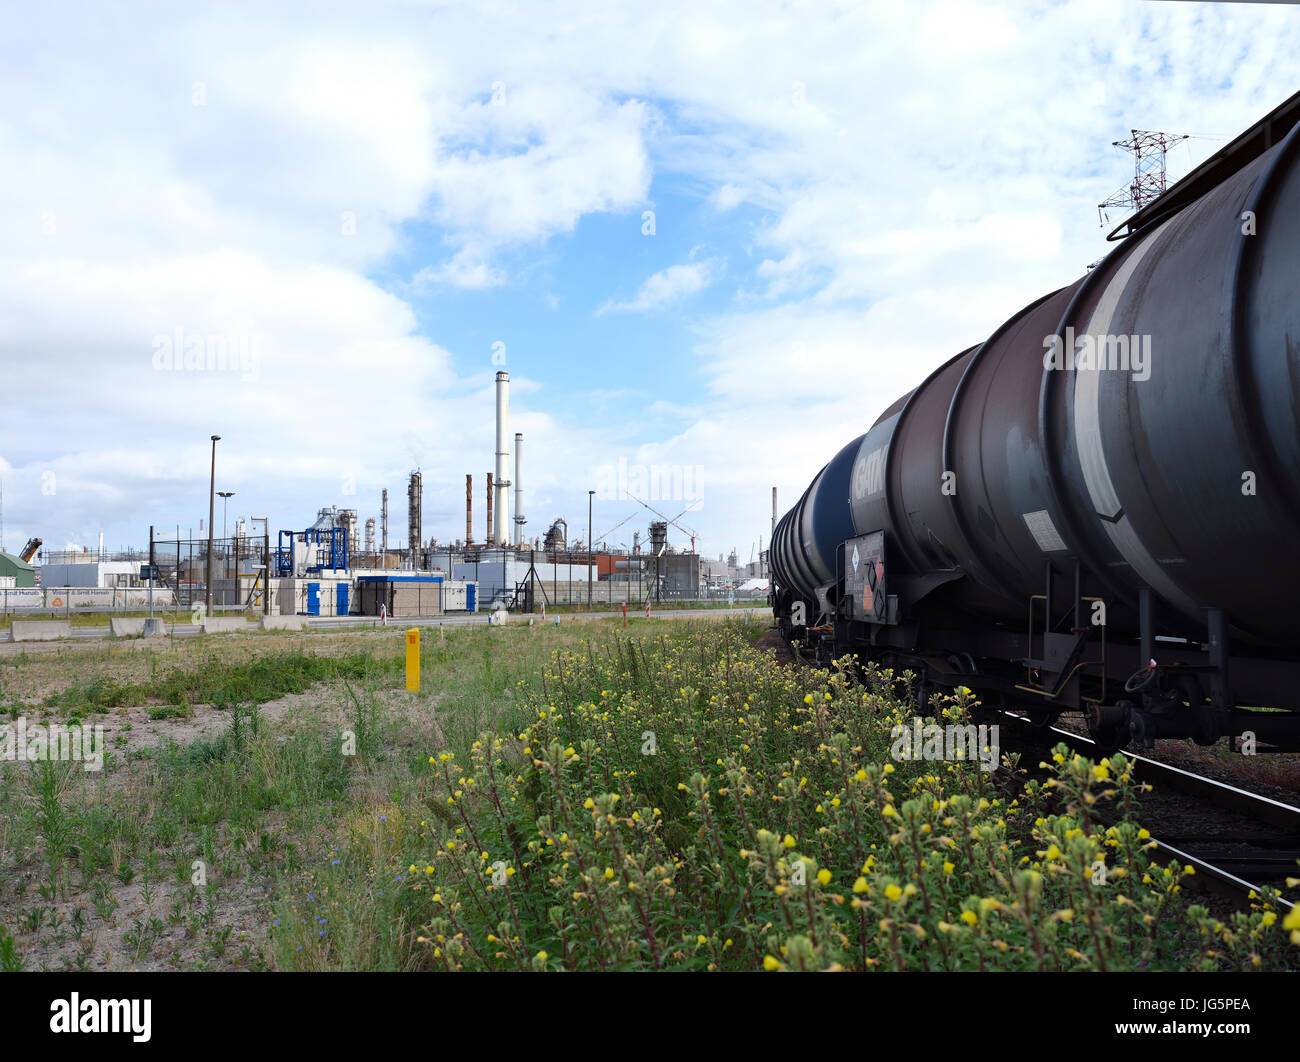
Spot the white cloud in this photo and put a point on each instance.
(910, 175)
(728, 197)
(469, 268)
(667, 287)
(528, 169)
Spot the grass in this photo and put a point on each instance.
(251, 807)
(575, 798)
(254, 680)
(680, 803)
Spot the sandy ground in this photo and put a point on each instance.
(158, 926)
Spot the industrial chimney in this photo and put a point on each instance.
(490, 540)
(469, 509)
(383, 525)
(500, 529)
(519, 489)
(414, 512)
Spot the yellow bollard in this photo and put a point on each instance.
(413, 660)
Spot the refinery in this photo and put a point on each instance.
(338, 565)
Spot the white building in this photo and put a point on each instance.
(95, 573)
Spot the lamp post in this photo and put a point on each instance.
(225, 496)
(212, 506)
(590, 494)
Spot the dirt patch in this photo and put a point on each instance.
(772, 642)
(142, 926)
(172, 923)
(127, 731)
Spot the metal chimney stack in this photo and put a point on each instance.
(519, 489)
(469, 509)
(414, 516)
(383, 524)
(500, 529)
(489, 520)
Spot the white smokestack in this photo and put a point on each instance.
(501, 515)
(519, 489)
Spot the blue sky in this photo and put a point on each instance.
(369, 197)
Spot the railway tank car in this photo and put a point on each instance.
(1097, 509)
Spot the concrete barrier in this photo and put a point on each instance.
(40, 630)
(138, 627)
(282, 623)
(224, 624)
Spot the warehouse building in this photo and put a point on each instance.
(100, 573)
(16, 573)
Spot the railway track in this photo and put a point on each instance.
(1237, 842)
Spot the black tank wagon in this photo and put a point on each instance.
(1097, 509)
